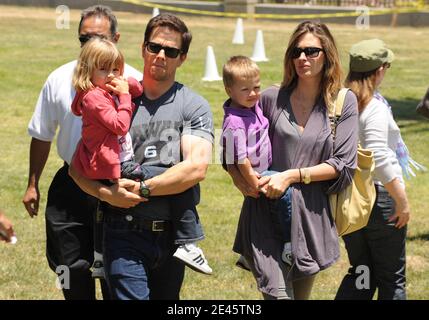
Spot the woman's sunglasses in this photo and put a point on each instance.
(310, 52)
(170, 52)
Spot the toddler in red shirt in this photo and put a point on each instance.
(103, 100)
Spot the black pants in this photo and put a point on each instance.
(69, 232)
(380, 249)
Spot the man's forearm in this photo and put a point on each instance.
(182, 176)
(91, 187)
(177, 179)
(39, 152)
(117, 195)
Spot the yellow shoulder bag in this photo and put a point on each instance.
(352, 206)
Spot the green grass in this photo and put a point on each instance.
(32, 47)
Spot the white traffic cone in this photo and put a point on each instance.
(259, 48)
(211, 73)
(238, 34)
(155, 12)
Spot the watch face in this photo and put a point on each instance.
(144, 190)
(145, 193)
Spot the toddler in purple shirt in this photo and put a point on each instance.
(245, 140)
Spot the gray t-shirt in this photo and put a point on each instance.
(156, 130)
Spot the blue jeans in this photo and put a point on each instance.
(139, 263)
(283, 209)
(380, 246)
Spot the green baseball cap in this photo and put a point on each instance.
(369, 55)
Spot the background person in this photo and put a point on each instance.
(381, 244)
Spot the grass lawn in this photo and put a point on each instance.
(32, 47)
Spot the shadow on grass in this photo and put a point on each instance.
(405, 109)
(423, 236)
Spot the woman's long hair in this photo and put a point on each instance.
(363, 86)
(331, 81)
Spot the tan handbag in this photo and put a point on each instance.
(352, 207)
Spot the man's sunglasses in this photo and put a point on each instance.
(170, 52)
(310, 52)
(84, 38)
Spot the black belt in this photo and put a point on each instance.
(137, 223)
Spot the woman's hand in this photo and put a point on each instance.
(402, 214)
(402, 209)
(277, 185)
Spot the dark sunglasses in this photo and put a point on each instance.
(84, 38)
(170, 52)
(310, 52)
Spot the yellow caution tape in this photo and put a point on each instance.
(416, 4)
(418, 7)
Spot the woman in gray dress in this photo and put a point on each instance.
(307, 160)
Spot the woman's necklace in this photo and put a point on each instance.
(302, 107)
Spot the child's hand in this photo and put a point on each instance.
(118, 85)
(136, 89)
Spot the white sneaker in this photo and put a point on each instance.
(193, 257)
(287, 253)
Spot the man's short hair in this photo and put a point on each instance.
(101, 12)
(238, 67)
(170, 21)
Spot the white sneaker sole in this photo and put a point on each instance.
(194, 264)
